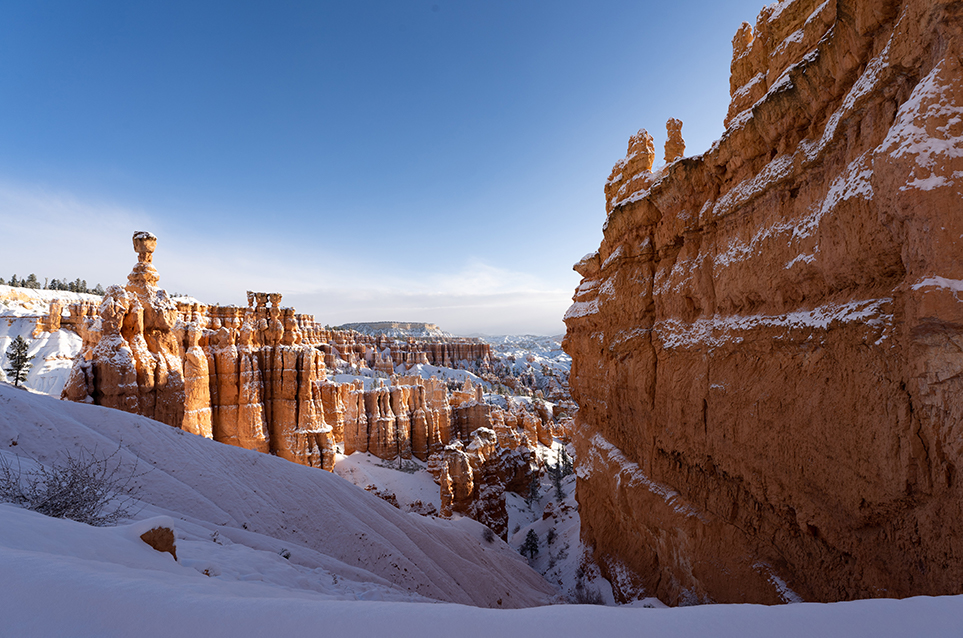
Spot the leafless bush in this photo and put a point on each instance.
(585, 595)
(488, 535)
(84, 488)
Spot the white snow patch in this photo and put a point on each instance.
(603, 455)
(719, 330)
(611, 258)
(927, 183)
(777, 9)
(956, 285)
(581, 309)
(927, 103)
(777, 169)
(788, 595)
(748, 86)
(800, 259)
(587, 285)
(865, 85)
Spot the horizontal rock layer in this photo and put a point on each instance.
(256, 378)
(768, 345)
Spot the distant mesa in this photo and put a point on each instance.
(396, 329)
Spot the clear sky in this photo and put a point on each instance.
(436, 160)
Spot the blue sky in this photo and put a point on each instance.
(402, 160)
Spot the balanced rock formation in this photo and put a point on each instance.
(768, 345)
(239, 377)
(255, 377)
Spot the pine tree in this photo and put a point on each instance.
(530, 546)
(99, 290)
(555, 472)
(567, 465)
(18, 360)
(31, 282)
(533, 491)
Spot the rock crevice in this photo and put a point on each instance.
(766, 346)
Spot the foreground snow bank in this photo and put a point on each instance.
(244, 498)
(65, 578)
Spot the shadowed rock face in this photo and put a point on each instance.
(768, 345)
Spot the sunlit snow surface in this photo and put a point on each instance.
(531, 353)
(67, 579)
(236, 511)
(52, 352)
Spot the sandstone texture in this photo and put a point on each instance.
(256, 377)
(674, 144)
(768, 345)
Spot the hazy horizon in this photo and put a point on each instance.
(436, 162)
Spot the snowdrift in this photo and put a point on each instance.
(266, 503)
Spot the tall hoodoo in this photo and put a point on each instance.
(767, 345)
(256, 377)
(674, 144)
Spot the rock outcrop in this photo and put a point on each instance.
(674, 144)
(256, 377)
(768, 345)
(240, 376)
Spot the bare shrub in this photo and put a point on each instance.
(84, 488)
(585, 595)
(488, 535)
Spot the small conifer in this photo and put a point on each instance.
(17, 360)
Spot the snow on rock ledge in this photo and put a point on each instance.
(771, 332)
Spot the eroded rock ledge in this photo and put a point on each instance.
(768, 345)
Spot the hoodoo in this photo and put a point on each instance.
(768, 344)
(255, 377)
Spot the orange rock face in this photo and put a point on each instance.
(674, 144)
(247, 381)
(255, 377)
(767, 345)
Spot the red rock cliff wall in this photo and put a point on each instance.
(768, 345)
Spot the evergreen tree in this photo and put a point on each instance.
(2, 282)
(99, 290)
(31, 282)
(18, 360)
(566, 461)
(14, 281)
(530, 546)
(555, 472)
(533, 492)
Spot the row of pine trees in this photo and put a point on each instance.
(31, 281)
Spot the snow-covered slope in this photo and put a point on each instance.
(398, 329)
(235, 513)
(265, 502)
(531, 352)
(62, 578)
(53, 353)
(29, 301)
